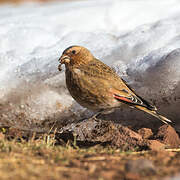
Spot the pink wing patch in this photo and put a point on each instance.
(121, 98)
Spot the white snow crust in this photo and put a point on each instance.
(139, 39)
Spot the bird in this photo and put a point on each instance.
(96, 86)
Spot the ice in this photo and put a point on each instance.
(139, 39)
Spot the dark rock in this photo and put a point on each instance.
(107, 132)
(97, 131)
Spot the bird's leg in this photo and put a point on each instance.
(102, 112)
(95, 116)
(91, 117)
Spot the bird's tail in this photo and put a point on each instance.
(154, 113)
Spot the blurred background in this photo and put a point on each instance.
(22, 1)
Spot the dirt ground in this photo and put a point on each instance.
(114, 152)
(41, 159)
(94, 148)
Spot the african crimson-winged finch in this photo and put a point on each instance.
(96, 86)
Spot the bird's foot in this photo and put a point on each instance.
(95, 116)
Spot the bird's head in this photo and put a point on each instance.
(75, 55)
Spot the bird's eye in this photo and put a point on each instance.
(73, 51)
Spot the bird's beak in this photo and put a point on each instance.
(64, 59)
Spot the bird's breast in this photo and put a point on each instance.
(89, 91)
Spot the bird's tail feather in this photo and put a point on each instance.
(154, 113)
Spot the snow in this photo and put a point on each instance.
(139, 39)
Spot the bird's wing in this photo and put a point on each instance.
(120, 90)
(127, 95)
(98, 70)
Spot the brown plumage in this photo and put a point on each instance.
(96, 86)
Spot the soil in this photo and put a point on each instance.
(99, 131)
(96, 149)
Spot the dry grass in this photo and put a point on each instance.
(41, 158)
(44, 158)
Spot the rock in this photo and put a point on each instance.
(168, 136)
(126, 139)
(155, 145)
(97, 131)
(140, 166)
(146, 133)
(106, 132)
(93, 131)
